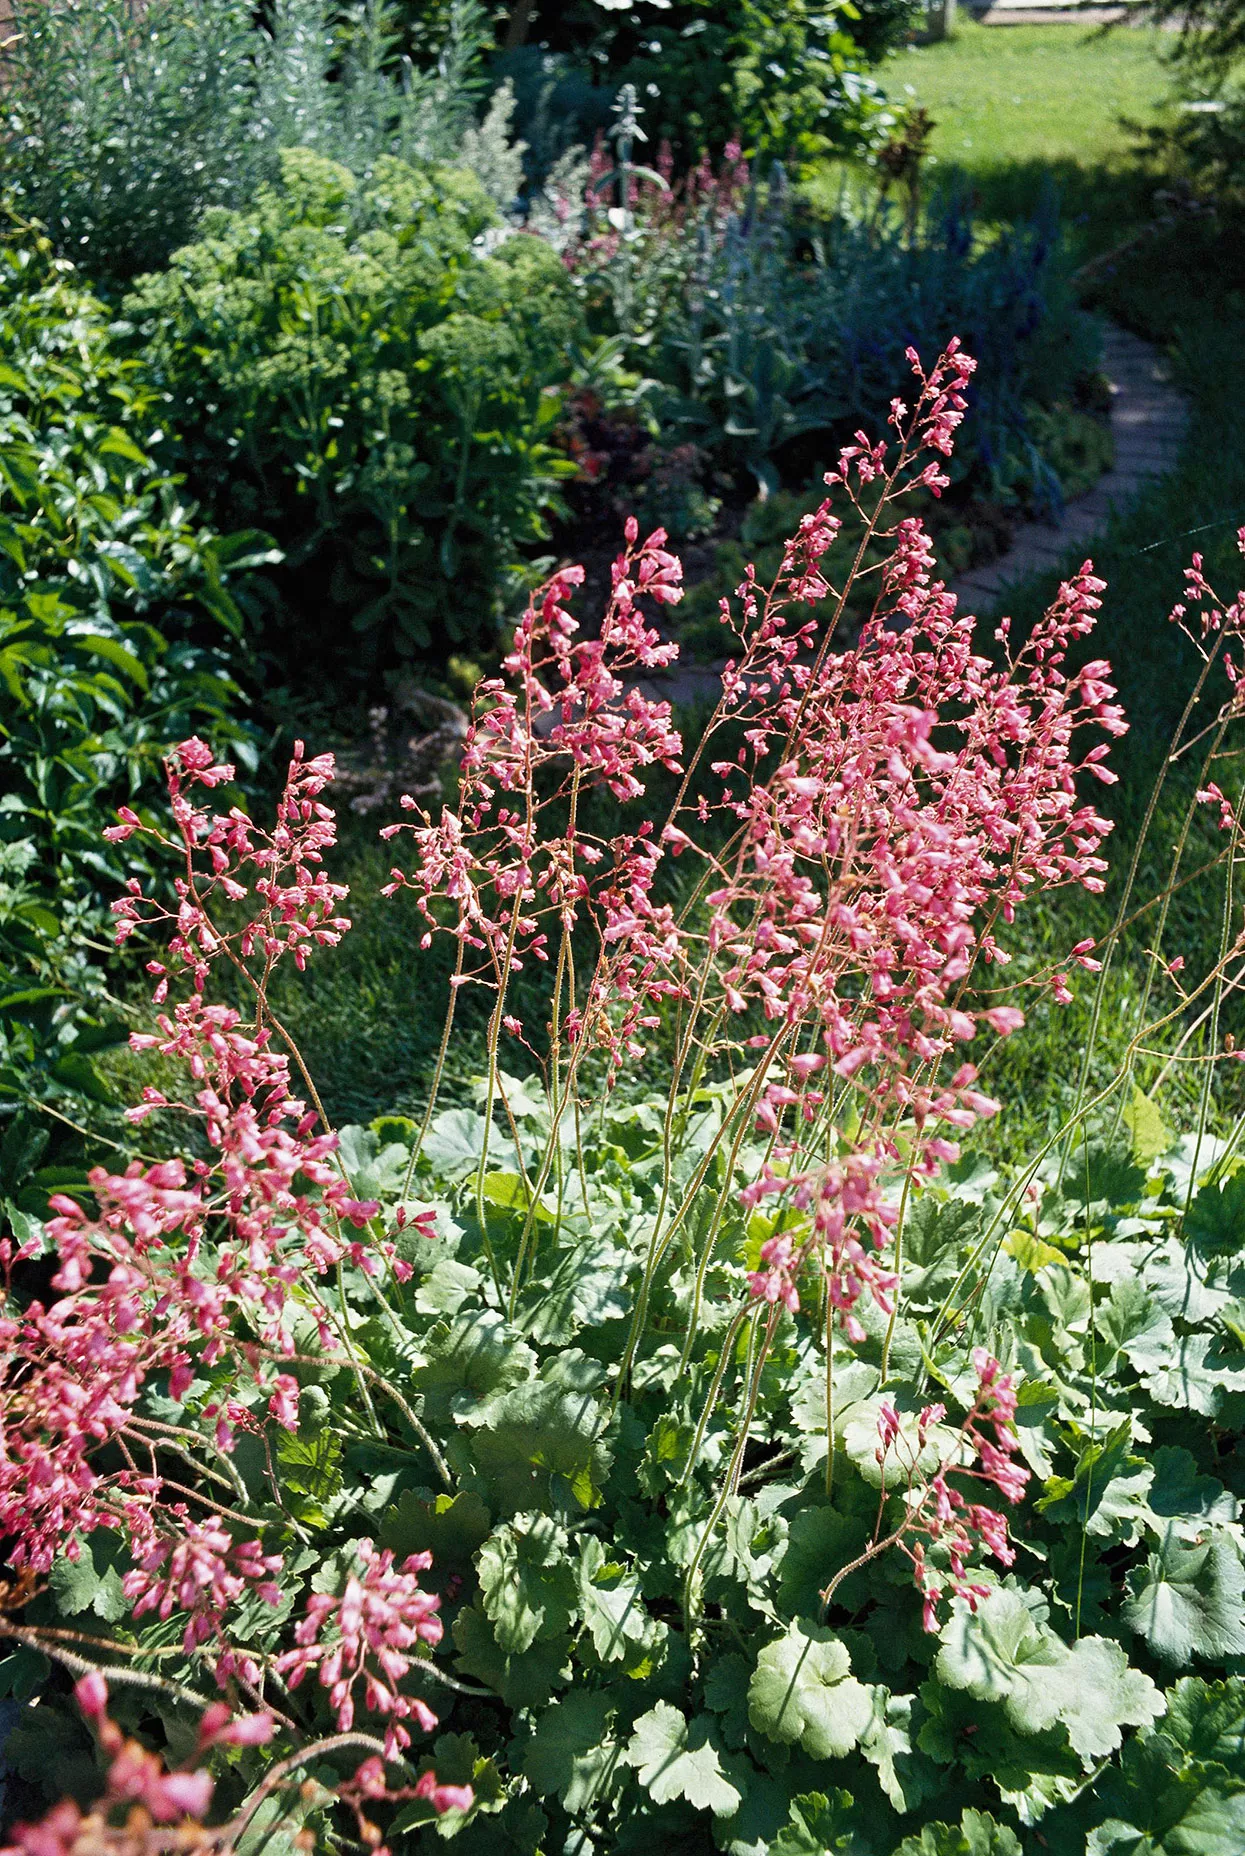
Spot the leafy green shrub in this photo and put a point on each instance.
(352, 366)
(112, 602)
(123, 119)
(784, 77)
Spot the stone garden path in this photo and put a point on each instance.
(1148, 418)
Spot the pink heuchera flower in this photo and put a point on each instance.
(941, 1516)
(177, 1262)
(201, 1571)
(368, 1637)
(887, 808)
(136, 1779)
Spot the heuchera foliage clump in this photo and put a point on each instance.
(658, 1407)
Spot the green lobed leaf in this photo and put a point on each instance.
(976, 1834)
(611, 1602)
(571, 1753)
(523, 1681)
(1192, 1374)
(1206, 1720)
(906, 1775)
(1156, 1808)
(88, 1583)
(539, 1449)
(677, 1758)
(586, 1287)
(450, 1527)
(528, 1582)
(469, 1360)
(1183, 1498)
(1190, 1600)
(1107, 1493)
(802, 1690)
(818, 1823)
(1003, 1653)
(1216, 1217)
(454, 1142)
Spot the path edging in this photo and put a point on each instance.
(1148, 420)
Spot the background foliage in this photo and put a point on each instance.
(349, 364)
(784, 77)
(117, 632)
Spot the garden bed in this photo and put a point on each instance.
(708, 1317)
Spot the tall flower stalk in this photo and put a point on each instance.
(863, 825)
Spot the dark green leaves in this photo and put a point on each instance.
(450, 1527)
(976, 1834)
(1161, 1805)
(585, 1287)
(1107, 1494)
(470, 1359)
(1206, 1720)
(528, 1582)
(1003, 1653)
(309, 1471)
(818, 1824)
(571, 1753)
(539, 1448)
(89, 1583)
(676, 1758)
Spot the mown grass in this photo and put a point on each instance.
(1004, 94)
(1022, 108)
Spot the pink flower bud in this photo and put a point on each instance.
(91, 1694)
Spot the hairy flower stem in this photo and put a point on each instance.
(660, 1242)
(897, 1267)
(711, 1237)
(1225, 945)
(947, 1317)
(729, 1480)
(719, 1372)
(829, 1398)
(1112, 939)
(35, 1639)
(438, 1071)
(490, 1096)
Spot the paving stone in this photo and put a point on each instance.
(1149, 417)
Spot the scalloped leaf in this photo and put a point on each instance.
(677, 1758)
(802, 1689)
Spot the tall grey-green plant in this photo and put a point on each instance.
(126, 119)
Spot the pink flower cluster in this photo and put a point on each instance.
(512, 859)
(199, 1571)
(880, 815)
(141, 1784)
(668, 217)
(940, 1515)
(370, 1635)
(177, 1263)
(164, 1809)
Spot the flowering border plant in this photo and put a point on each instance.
(781, 1477)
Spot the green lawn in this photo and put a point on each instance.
(1003, 95)
(1018, 108)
